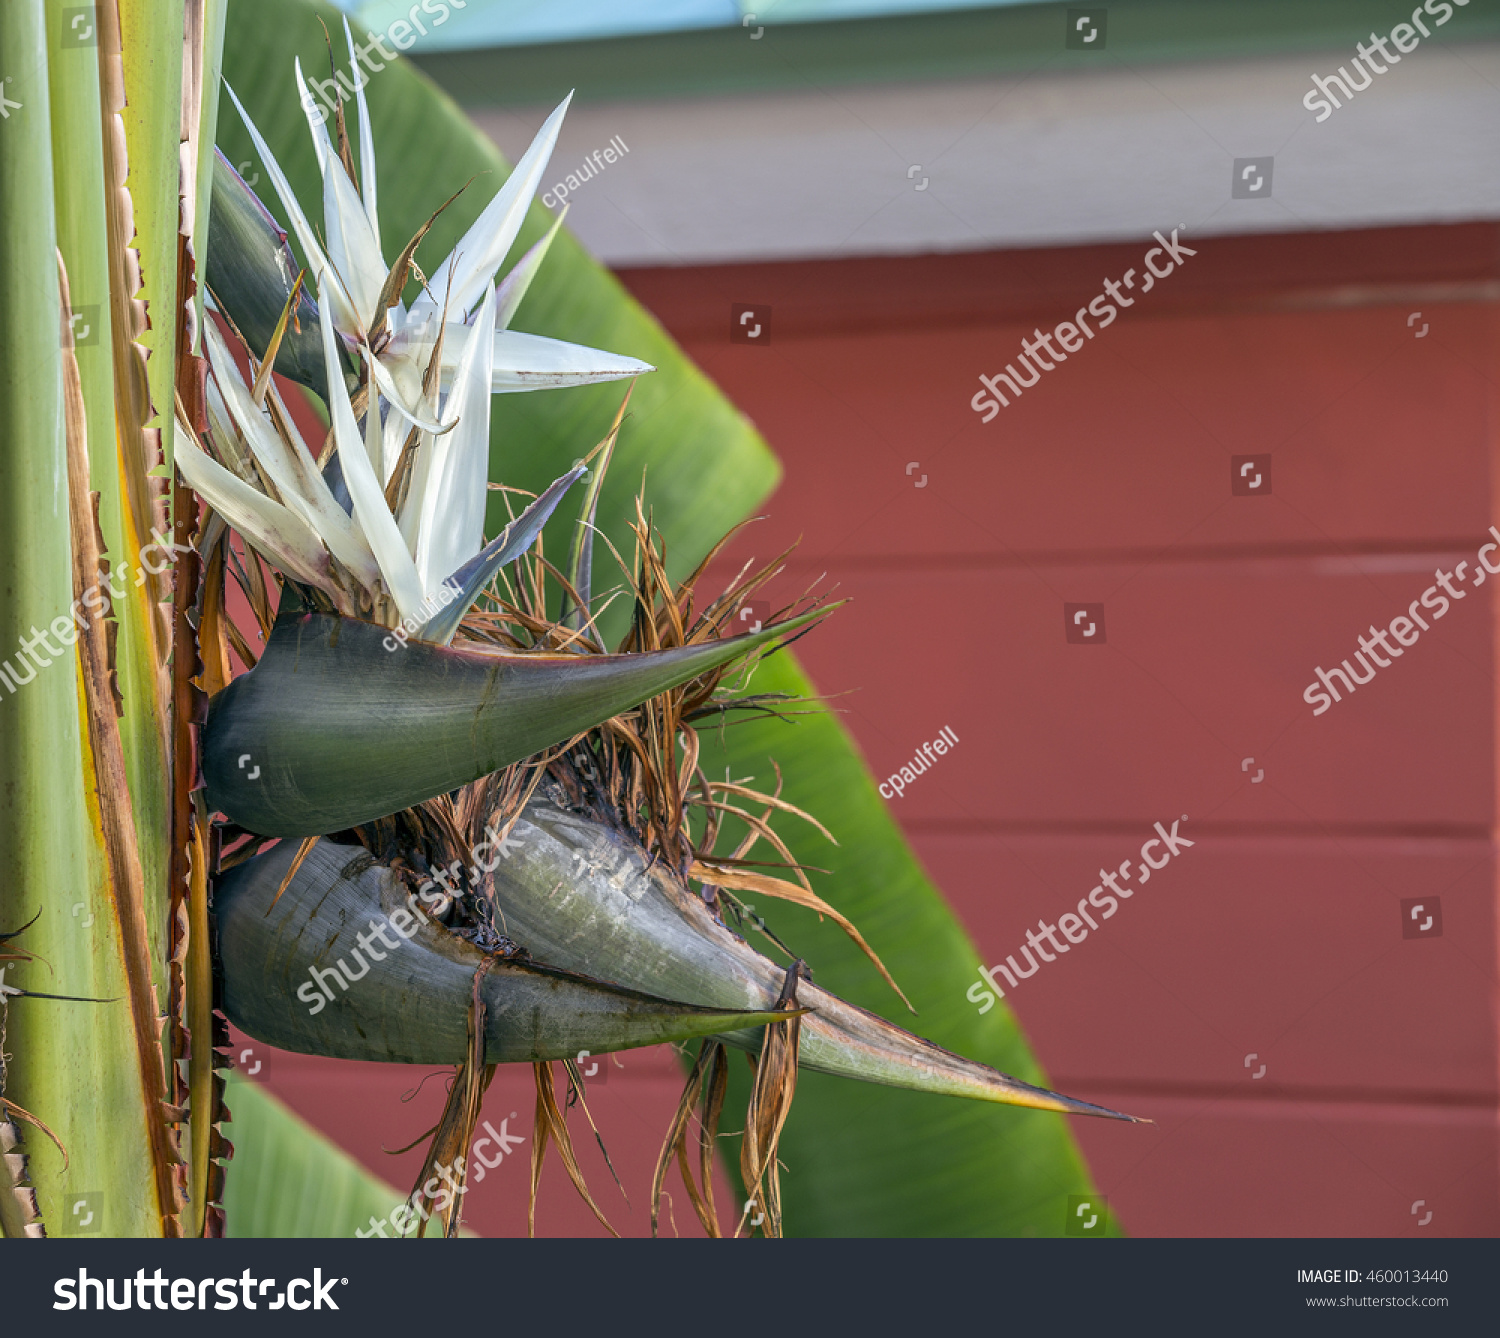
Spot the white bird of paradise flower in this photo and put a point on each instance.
(418, 558)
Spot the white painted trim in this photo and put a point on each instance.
(1042, 160)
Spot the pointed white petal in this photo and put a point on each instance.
(375, 439)
(392, 438)
(288, 465)
(513, 287)
(452, 528)
(284, 538)
(483, 248)
(228, 443)
(316, 260)
(469, 581)
(323, 148)
(534, 362)
(387, 387)
(365, 491)
(351, 244)
(416, 491)
(366, 140)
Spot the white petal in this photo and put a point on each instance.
(374, 440)
(317, 126)
(513, 287)
(366, 139)
(452, 528)
(534, 362)
(387, 387)
(416, 491)
(351, 245)
(393, 437)
(483, 248)
(317, 261)
(286, 539)
(315, 257)
(370, 510)
(296, 476)
(228, 443)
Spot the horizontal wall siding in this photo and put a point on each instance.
(1278, 934)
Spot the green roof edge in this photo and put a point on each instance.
(957, 44)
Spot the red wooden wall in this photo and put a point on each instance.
(1279, 933)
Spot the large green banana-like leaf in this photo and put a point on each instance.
(84, 853)
(340, 723)
(288, 1180)
(861, 1160)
